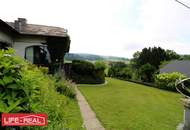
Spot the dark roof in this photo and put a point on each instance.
(182, 66)
(4, 24)
(33, 29)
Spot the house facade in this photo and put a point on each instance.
(40, 44)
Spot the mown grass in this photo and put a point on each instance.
(122, 105)
(73, 116)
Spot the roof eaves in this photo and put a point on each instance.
(34, 34)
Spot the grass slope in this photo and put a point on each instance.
(73, 116)
(122, 105)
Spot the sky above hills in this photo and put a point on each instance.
(110, 27)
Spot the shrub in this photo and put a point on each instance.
(24, 89)
(126, 73)
(146, 72)
(120, 70)
(87, 72)
(44, 69)
(116, 69)
(82, 67)
(167, 80)
(16, 92)
(65, 87)
(100, 65)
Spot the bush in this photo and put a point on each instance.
(84, 72)
(146, 72)
(100, 65)
(119, 70)
(26, 89)
(167, 80)
(82, 67)
(17, 93)
(65, 87)
(126, 73)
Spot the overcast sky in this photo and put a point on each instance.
(110, 27)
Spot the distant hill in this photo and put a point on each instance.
(92, 57)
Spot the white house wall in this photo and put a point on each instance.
(21, 43)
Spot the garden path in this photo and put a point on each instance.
(90, 120)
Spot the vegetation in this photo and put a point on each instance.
(119, 70)
(171, 55)
(150, 59)
(26, 89)
(153, 56)
(87, 72)
(168, 80)
(91, 57)
(147, 71)
(122, 105)
(143, 66)
(65, 87)
(185, 57)
(100, 65)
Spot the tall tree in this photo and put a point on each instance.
(153, 56)
(171, 55)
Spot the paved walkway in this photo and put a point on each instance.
(89, 117)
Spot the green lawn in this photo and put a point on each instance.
(122, 105)
(73, 117)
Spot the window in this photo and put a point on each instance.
(38, 54)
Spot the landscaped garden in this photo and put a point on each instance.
(123, 105)
(25, 88)
(119, 104)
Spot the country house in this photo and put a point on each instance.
(40, 44)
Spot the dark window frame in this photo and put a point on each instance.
(40, 55)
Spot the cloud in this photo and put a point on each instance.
(109, 27)
(163, 23)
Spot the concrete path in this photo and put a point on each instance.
(89, 117)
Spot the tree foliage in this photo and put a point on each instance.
(171, 55)
(146, 72)
(119, 70)
(150, 55)
(146, 62)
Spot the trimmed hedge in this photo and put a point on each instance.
(83, 72)
(165, 81)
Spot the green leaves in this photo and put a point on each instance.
(167, 80)
(15, 91)
(26, 89)
(7, 80)
(8, 103)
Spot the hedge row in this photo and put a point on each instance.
(24, 88)
(165, 81)
(84, 72)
